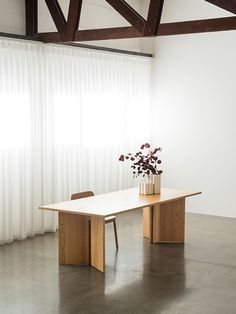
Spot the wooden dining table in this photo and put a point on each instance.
(82, 222)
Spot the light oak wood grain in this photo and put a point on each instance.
(169, 222)
(147, 220)
(74, 239)
(117, 202)
(164, 216)
(98, 243)
(108, 219)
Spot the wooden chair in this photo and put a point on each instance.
(107, 219)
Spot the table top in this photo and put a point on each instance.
(117, 202)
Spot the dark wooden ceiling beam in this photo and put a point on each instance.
(178, 28)
(228, 5)
(51, 37)
(94, 34)
(57, 16)
(128, 13)
(107, 33)
(68, 30)
(73, 18)
(31, 17)
(197, 26)
(154, 17)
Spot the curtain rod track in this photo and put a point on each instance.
(84, 46)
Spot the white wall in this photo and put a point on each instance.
(95, 14)
(194, 84)
(12, 16)
(184, 10)
(194, 108)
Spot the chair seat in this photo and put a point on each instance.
(110, 219)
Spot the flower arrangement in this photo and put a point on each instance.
(145, 161)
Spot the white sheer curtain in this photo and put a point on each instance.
(66, 114)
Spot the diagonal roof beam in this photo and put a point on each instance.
(125, 10)
(154, 17)
(73, 18)
(228, 5)
(57, 16)
(31, 17)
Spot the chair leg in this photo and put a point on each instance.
(115, 232)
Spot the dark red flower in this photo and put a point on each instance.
(144, 163)
(122, 158)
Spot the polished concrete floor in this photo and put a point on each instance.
(196, 278)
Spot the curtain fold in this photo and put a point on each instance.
(66, 114)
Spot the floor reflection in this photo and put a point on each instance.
(198, 277)
(139, 278)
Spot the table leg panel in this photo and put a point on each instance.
(74, 239)
(169, 222)
(147, 221)
(98, 243)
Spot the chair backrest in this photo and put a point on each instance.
(81, 195)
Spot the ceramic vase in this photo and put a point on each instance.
(157, 183)
(146, 188)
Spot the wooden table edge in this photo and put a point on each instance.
(118, 212)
